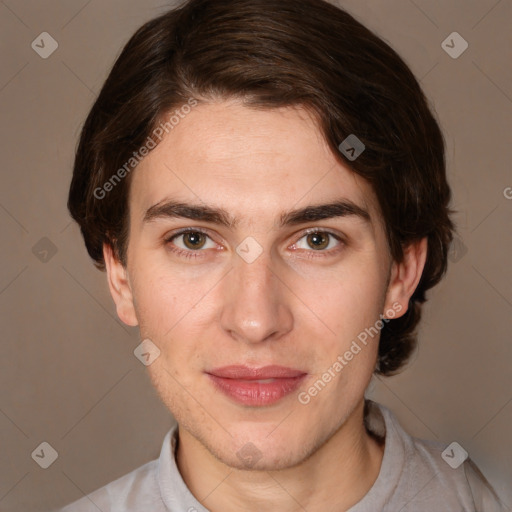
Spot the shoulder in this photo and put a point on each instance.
(129, 492)
(138, 490)
(450, 472)
(432, 474)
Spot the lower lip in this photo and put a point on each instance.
(257, 393)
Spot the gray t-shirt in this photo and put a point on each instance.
(413, 477)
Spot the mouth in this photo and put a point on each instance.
(257, 387)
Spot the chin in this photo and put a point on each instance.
(251, 458)
(260, 451)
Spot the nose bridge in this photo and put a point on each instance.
(256, 279)
(254, 309)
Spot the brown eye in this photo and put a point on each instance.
(190, 243)
(318, 241)
(194, 239)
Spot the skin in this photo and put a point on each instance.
(295, 305)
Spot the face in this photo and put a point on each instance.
(255, 304)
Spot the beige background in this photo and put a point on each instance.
(68, 373)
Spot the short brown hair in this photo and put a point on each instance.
(276, 53)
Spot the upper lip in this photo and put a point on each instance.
(242, 372)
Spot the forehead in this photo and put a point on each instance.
(254, 163)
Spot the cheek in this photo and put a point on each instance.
(346, 300)
(174, 309)
(336, 304)
(163, 297)
(351, 306)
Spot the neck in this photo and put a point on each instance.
(335, 477)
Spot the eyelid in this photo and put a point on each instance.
(187, 230)
(308, 231)
(337, 236)
(175, 234)
(186, 253)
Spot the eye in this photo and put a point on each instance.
(318, 240)
(190, 240)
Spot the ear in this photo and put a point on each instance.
(119, 285)
(405, 277)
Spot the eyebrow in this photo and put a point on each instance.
(312, 213)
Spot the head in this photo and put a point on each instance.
(225, 118)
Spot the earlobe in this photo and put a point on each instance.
(119, 286)
(405, 277)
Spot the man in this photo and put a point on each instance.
(265, 185)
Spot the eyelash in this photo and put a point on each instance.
(181, 252)
(196, 254)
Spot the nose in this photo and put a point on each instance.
(255, 308)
